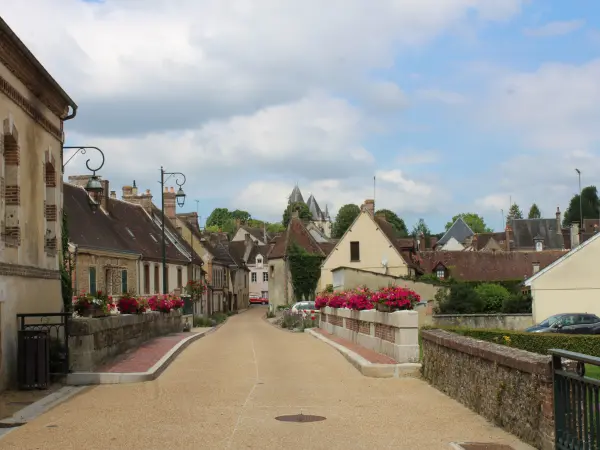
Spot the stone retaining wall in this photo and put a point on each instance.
(510, 387)
(94, 342)
(393, 334)
(515, 322)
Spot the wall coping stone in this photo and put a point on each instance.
(484, 315)
(396, 319)
(506, 356)
(87, 326)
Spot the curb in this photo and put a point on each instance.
(38, 408)
(369, 369)
(94, 378)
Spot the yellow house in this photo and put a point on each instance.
(370, 244)
(568, 285)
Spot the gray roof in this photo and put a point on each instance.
(314, 209)
(525, 232)
(296, 196)
(459, 231)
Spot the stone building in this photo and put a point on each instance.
(319, 217)
(33, 108)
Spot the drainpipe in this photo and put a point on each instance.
(73, 113)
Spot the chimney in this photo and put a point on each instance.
(127, 192)
(536, 267)
(558, 224)
(105, 195)
(79, 180)
(421, 242)
(574, 235)
(509, 233)
(134, 189)
(113, 194)
(380, 215)
(170, 203)
(369, 206)
(433, 242)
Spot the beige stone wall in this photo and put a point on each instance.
(30, 212)
(515, 322)
(280, 284)
(511, 388)
(103, 263)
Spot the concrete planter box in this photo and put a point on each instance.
(393, 334)
(94, 342)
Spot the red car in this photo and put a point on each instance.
(259, 301)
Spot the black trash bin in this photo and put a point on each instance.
(33, 359)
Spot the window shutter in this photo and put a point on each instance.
(93, 281)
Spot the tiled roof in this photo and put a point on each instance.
(257, 233)
(480, 240)
(126, 227)
(459, 231)
(296, 233)
(157, 213)
(525, 230)
(390, 232)
(483, 266)
(212, 246)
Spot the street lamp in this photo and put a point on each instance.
(93, 186)
(580, 204)
(180, 197)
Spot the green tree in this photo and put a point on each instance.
(218, 217)
(345, 216)
(421, 228)
(395, 221)
(514, 212)
(275, 227)
(534, 212)
(302, 209)
(493, 296)
(589, 206)
(242, 216)
(475, 222)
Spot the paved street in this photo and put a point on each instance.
(225, 390)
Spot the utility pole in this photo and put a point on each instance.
(580, 207)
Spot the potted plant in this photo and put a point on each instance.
(128, 304)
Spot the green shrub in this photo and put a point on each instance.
(219, 317)
(202, 322)
(270, 314)
(493, 296)
(517, 303)
(282, 307)
(536, 342)
(461, 299)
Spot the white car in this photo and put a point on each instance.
(303, 307)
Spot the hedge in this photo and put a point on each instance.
(535, 342)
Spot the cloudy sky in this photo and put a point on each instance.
(454, 105)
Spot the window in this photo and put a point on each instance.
(156, 279)
(538, 246)
(259, 261)
(93, 289)
(354, 251)
(179, 278)
(123, 281)
(265, 277)
(440, 273)
(254, 277)
(146, 279)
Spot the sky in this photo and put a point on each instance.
(453, 105)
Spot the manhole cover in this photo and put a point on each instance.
(300, 418)
(483, 446)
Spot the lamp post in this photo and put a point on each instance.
(93, 186)
(580, 204)
(180, 196)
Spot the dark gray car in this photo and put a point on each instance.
(568, 323)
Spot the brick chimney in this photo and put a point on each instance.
(127, 192)
(574, 234)
(433, 241)
(381, 215)
(170, 203)
(105, 195)
(422, 242)
(134, 189)
(558, 224)
(535, 267)
(144, 200)
(369, 206)
(113, 194)
(82, 180)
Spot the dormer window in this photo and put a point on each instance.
(259, 261)
(539, 246)
(440, 273)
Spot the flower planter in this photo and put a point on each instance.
(94, 312)
(383, 308)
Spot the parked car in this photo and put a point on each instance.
(569, 323)
(259, 301)
(303, 306)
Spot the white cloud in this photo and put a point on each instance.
(558, 28)
(441, 96)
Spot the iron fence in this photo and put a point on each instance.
(576, 401)
(56, 326)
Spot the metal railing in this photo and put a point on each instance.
(576, 402)
(56, 325)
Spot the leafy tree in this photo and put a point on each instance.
(302, 209)
(345, 216)
(534, 212)
(589, 206)
(276, 227)
(396, 222)
(421, 228)
(475, 222)
(218, 217)
(461, 299)
(493, 296)
(514, 212)
(242, 216)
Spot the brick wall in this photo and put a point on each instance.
(512, 388)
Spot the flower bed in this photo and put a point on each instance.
(101, 305)
(388, 299)
(381, 320)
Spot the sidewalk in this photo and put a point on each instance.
(369, 355)
(143, 363)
